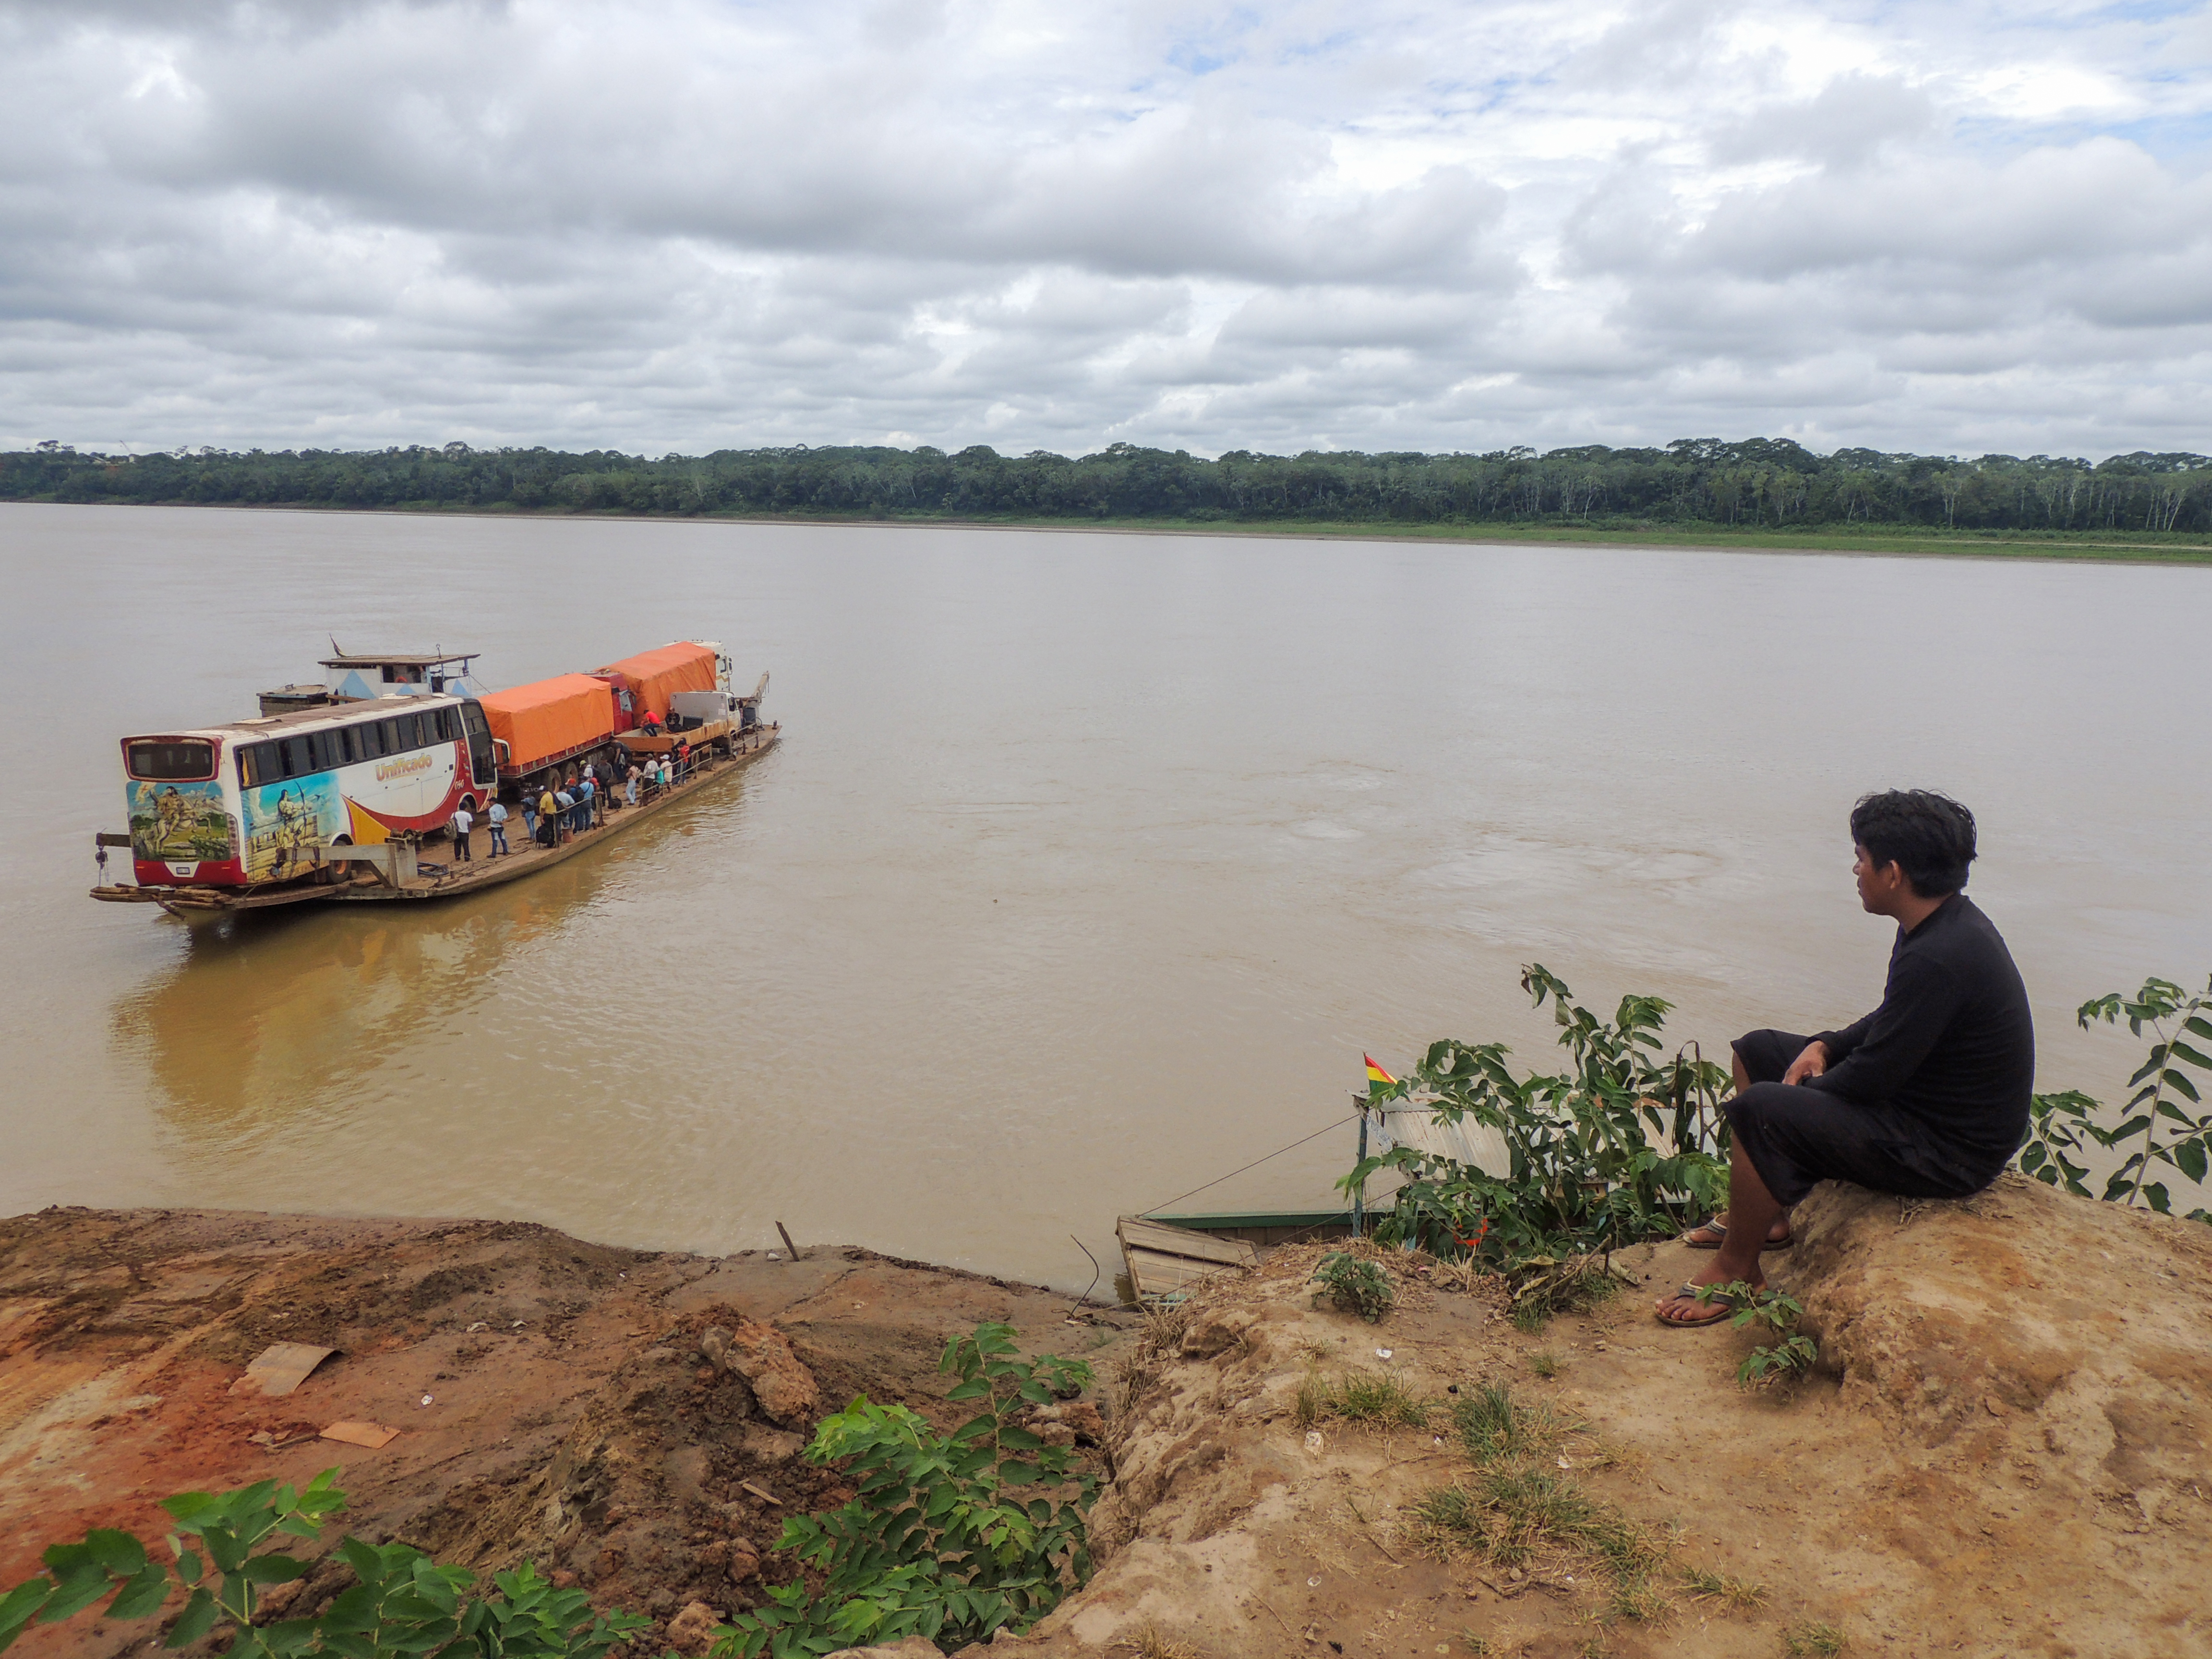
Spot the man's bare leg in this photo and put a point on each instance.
(1780, 1229)
(1755, 1210)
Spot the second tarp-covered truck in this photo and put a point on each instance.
(549, 723)
(643, 684)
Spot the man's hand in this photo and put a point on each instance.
(1811, 1062)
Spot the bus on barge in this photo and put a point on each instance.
(333, 796)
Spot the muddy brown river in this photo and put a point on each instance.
(1088, 867)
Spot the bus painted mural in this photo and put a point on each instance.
(178, 821)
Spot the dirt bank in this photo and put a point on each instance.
(551, 1397)
(2004, 1450)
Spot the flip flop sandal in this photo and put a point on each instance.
(1712, 1313)
(1719, 1230)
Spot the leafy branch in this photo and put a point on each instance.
(2060, 1123)
(401, 1603)
(1792, 1356)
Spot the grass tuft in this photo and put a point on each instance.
(1705, 1586)
(1373, 1397)
(1149, 1644)
(1544, 1363)
(1492, 1425)
(1379, 1397)
(1516, 1508)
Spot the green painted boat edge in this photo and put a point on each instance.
(1199, 1223)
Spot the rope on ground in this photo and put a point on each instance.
(1254, 1165)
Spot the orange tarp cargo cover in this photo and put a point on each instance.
(656, 675)
(550, 717)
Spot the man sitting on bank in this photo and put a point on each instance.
(1926, 1096)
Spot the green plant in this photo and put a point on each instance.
(1791, 1357)
(1544, 1363)
(936, 1542)
(1355, 1285)
(1625, 1144)
(2058, 1124)
(400, 1602)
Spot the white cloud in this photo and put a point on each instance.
(1419, 224)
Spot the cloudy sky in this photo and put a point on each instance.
(1374, 224)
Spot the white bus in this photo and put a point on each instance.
(235, 806)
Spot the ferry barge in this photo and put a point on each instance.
(347, 792)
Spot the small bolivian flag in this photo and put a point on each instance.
(1376, 1073)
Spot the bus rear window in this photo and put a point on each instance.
(161, 762)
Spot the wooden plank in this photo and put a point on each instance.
(280, 1367)
(1152, 1274)
(1161, 1260)
(1136, 1231)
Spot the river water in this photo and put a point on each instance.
(1088, 867)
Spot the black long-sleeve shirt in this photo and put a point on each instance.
(1952, 1043)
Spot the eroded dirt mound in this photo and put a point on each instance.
(553, 1398)
(2005, 1452)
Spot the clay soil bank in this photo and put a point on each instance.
(2004, 1450)
(551, 1396)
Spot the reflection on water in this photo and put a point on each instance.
(1087, 868)
(273, 1016)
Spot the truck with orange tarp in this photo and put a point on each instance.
(679, 693)
(644, 683)
(547, 722)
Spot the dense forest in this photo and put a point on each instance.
(1757, 484)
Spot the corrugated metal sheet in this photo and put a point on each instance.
(1464, 1142)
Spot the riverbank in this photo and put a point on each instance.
(2004, 1451)
(549, 1396)
(2121, 547)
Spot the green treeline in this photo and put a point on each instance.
(1759, 482)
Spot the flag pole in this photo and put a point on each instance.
(1359, 1193)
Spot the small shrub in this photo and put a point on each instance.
(1544, 1363)
(940, 1539)
(1356, 1285)
(1790, 1358)
(1624, 1144)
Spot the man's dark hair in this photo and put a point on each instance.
(1931, 835)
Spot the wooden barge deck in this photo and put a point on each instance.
(415, 877)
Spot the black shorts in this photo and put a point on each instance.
(1796, 1137)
